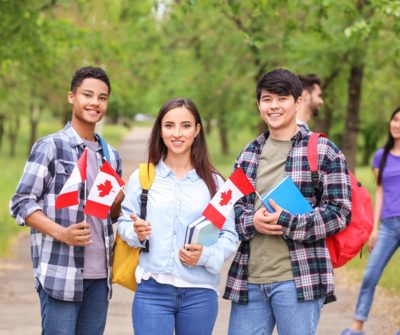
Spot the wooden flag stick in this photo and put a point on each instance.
(258, 196)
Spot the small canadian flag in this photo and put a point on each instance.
(105, 188)
(237, 186)
(69, 193)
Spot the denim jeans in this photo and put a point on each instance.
(386, 245)
(271, 304)
(158, 309)
(84, 317)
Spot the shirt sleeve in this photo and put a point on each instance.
(377, 158)
(244, 213)
(39, 171)
(125, 223)
(334, 213)
(214, 256)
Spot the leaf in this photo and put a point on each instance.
(105, 189)
(225, 198)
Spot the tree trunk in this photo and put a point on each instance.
(223, 133)
(13, 132)
(349, 144)
(2, 118)
(34, 120)
(323, 124)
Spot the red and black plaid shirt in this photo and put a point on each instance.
(305, 234)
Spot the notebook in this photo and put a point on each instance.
(288, 196)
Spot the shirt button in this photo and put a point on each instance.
(174, 232)
(172, 249)
(82, 271)
(177, 184)
(178, 199)
(176, 215)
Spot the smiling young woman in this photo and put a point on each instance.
(177, 286)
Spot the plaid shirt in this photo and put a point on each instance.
(57, 266)
(304, 234)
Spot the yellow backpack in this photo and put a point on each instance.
(126, 258)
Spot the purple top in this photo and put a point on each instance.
(391, 184)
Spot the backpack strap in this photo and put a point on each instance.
(146, 176)
(312, 156)
(104, 147)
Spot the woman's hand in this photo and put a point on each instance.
(372, 239)
(142, 228)
(188, 257)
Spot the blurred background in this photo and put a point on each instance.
(212, 52)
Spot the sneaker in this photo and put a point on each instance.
(349, 331)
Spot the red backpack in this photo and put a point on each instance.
(348, 243)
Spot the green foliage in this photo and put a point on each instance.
(11, 170)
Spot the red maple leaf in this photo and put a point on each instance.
(226, 198)
(105, 189)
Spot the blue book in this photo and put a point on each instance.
(202, 231)
(190, 229)
(205, 234)
(288, 196)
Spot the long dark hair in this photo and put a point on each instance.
(200, 157)
(388, 146)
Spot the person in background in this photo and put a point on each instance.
(384, 240)
(72, 258)
(311, 95)
(177, 283)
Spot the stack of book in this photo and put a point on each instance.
(202, 231)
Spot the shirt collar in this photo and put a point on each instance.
(165, 171)
(302, 133)
(74, 138)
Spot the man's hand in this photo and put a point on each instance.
(76, 234)
(266, 222)
(189, 257)
(116, 205)
(119, 198)
(142, 228)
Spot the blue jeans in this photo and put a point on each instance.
(386, 245)
(271, 304)
(84, 317)
(159, 308)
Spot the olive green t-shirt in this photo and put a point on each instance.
(269, 260)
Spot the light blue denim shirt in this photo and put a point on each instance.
(172, 205)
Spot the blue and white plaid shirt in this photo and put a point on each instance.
(57, 266)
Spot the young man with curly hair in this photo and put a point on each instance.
(282, 273)
(72, 258)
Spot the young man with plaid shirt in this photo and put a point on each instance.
(71, 258)
(282, 273)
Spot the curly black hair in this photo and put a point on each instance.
(89, 72)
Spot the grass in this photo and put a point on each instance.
(237, 142)
(12, 168)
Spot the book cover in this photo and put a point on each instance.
(190, 229)
(205, 233)
(288, 196)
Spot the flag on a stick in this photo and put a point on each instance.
(237, 186)
(69, 193)
(104, 190)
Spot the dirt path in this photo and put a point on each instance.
(19, 303)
